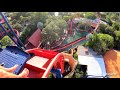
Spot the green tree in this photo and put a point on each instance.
(102, 28)
(31, 23)
(17, 26)
(54, 29)
(108, 20)
(109, 30)
(25, 34)
(102, 43)
(103, 15)
(6, 41)
(82, 14)
(90, 15)
(89, 37)
(114, 17)
(66, 18)
(116, 26)
(83, 26)
(117, 39)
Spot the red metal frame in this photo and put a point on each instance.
(71, 25)
(69, 44)
(54, 59)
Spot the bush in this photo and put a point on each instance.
(78, 72)
(90, 15)
(84, 26)
(17, 26)
(24, 35)
(83, 44)
(116, 26)
(75, 56)
(117, 39)
(29, 21)
(102, 28)
(88, 44)
(81, 14)
(89, 37)
(6, 41)
(109, 30)
(66, 18)
(102, 42)
(108, 20)
(54, 30)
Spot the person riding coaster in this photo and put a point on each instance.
(8, 72)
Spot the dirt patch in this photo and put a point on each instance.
(112, 63)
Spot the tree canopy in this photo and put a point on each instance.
(54, 29)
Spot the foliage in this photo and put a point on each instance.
(24, 35)
(90, 15)
(75, 56)
(117, 34)
(30, 23)
(66, 18)
(89, 37)
(50, 75)
(88, 44)
(38, 17)
(103, 15)
(6, 41)
(78, 73)
(108, 20)
(102, 42)
(17, 26)
(82, 14)
(83, 26)
(116, 26)
(113, 31)
(115, 17)
(106, 29)
(109, 30)
(117, 39)
(102, 28)
(54, 29)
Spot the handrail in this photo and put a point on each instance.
(67, 45)
(54, 61)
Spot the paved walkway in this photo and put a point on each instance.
(91, 53)
(95, 63)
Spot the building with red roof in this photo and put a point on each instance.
(34, 40)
